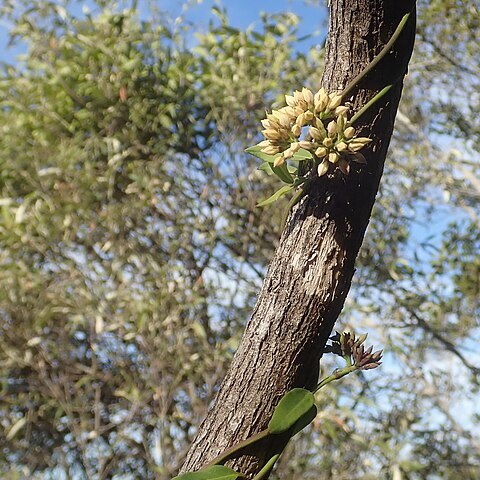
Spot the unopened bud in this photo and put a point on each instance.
(323, 168)
(315, 133)
(335, 101)
(328, 142)
(321, 152)
(301, 120)
(296, 130)
(282, 118)
(333, 157)
(321, 100)
(308, 116)
(306, 145)
(355, 146)
(341, 110)
(332, 129)
(307, 95)
(271, 134)
(290, 100)
(294, 148)
(349, 133)
(270, 150)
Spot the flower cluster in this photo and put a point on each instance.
(322, 121)
(346, 345)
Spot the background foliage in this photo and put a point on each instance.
(131, 250)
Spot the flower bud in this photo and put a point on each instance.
(301, 120)
(294, 148)
(321, 100)
(341, 121)
(341, 146)
(296, 130)
(332, 129)
(299, 100)
(321, 152)
(333, 157)
(279, 161)
(349, 133)
(290, 111)
(307, 95)
(298, 110)
(335, 101)
(319, 124)
(271, 134)
(270, 150)
(315, 133)
(290, 100)
(362, 140)
(328, 142)
(282, 118)
(306, 145)
(323, 168)
(355, 146)
(341, 110)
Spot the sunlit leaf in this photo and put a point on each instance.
(295, 405)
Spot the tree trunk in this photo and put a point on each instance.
(311, 272)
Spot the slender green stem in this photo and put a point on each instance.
(223, 457)
(297, 196)
(377, 97)
(386, 49)
(335, 376)
(267, 468)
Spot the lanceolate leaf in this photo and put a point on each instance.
(215, 472)
(282, 173)
(266, 167)
(292, 407)
(278, 194)
(302, 154)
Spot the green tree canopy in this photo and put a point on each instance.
(131, 249)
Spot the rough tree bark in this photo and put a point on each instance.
(311, 272)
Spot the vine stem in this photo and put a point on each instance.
(386, 49)
(377, 97)
(222, 458)
(267, 468)
(335, 376)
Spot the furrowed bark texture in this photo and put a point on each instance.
(311, 272)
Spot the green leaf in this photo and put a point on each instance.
(282, 173)
(292, 407)
(215, 472)
(278, 194)
(302, 154)
(305, 420)
(265, 167)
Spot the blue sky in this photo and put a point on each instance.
(241, 14)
